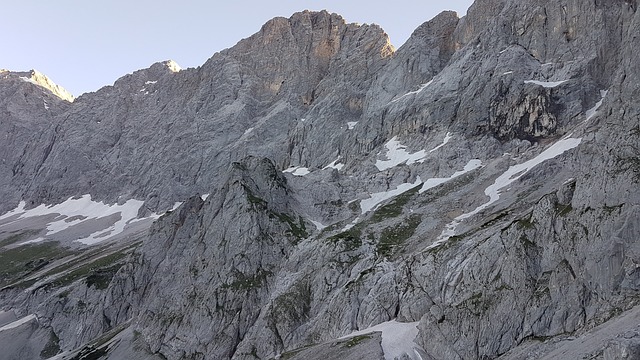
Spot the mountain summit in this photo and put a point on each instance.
(314, 193)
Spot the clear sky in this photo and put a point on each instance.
(83, 45)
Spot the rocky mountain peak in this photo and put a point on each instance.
(314, 38)
(39, 79)
(149, 76)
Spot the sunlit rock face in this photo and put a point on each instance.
(312, 193)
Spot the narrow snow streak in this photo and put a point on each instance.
(592, 112)
(546, 84)
(512, 174)
(297, 171)
(447, 137)
(18, 322)
(29, 80)
(397, 154)
(377, 198)
(351, 224)
(433, 182)
(334, 165)
(318, 225)
(397, 339)
(422, 87)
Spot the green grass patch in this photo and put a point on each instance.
(395, 207)
(245, 282)
(392, 238)
(101, 278)
(351, 239)
(449, 243)
(360, 277)
(97, 350)
(525, 223)
(354, 206)
(629, 164)
(294, 305)
(563, 210)
(21, 261)
(354, 341)
(100, 270)
(477, 304)
(290, 354)
(495, 220)
(526, 242)
(253, 199)
(297, 229)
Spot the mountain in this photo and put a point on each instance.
(314, 193)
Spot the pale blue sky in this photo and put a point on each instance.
(83, 45)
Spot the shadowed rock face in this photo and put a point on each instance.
(508, 216)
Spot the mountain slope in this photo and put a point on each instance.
(475, 189)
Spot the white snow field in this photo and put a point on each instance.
(397, 339)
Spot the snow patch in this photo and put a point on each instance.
(546, 84)
(334, 165)
(433, 182)
(318, 225)
(422, 87)
(150, 82)
(512, 174)
(351, 224)
(376, 198)
(75, 211)
(249, 130)
(507, 73)
(352, 124)
(297, 171)
(397, 339)
(18, 322)
(204, 197)
(156, 216)
(592, 112)
(397, 154)
(29, 80)
(447, 137)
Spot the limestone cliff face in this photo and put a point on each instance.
(28, 107)
(480, 183)
(130, 139)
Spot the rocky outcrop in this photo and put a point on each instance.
(479, 182)
(232, 245)
(29, 103)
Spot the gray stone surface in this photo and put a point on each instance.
(547, 269)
